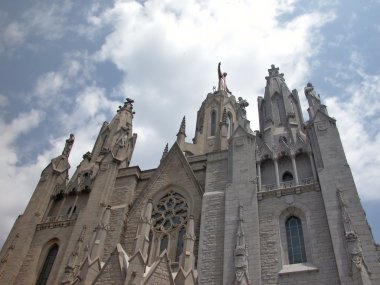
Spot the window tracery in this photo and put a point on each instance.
(170, 212)
(169, 219)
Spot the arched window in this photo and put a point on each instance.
(48, 264)
(287, 176)
(181, 234)
(229, 125)
(294, 237)
(169, 219)
(213, 123)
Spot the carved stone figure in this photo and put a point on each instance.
(222, 80)
(68, 145)
(242, 103)
(309, 90)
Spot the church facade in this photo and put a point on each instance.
(274, 206)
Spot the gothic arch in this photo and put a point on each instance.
(303, 215)
(46, 260)
(172, 208)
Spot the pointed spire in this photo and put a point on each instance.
(241, 261)
(142, 242)
(182, 128)
(353, 241)
(187, 258)
(165, 152)
(181, 135)
(100, 234)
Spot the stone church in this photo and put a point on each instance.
(235, 206)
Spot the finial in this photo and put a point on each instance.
(166, 150)
(273, 72)
(182, 128)
(68, 145)
(128, 105)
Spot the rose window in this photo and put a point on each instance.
(170, 212)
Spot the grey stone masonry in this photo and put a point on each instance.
(277, 206)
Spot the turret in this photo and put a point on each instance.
(279, 111)
(116, 137)
(217, 118)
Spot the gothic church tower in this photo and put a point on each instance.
(273, 206)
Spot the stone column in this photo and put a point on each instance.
(61, 206)
(187, 258)
(295, 169)
(276, 172)
(259, 174)
(73, 207)
(142, 242)
(313, 166)
(100, 234)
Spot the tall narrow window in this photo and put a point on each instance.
(164, 243)
(213, 123)
(294, 237)
(181, 234)
(150, 242)
(229, 125)
(48, 264)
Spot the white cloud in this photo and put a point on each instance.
(357, 113)
(169, 52)
(15, 179)
(3, 101)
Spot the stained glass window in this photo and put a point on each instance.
(48, 264)
(294, 237)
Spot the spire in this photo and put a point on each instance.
(142, 240)
(241, 261)
(280, 111)
(182, 128)
(165, 152)
(181, 135)
(100, 234)
(116, 138)
(187, 257)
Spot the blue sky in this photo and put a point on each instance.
(66, 66)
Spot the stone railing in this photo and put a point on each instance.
(287, 184)
(62, 221)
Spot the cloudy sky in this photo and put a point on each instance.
(65, 67)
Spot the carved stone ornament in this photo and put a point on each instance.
(170, 212)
